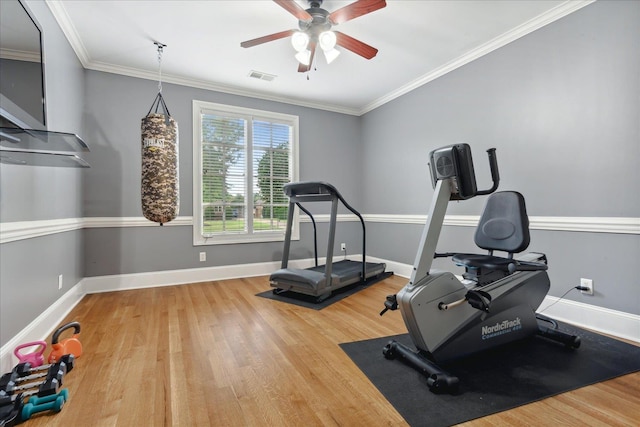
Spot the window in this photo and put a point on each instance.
(242, 158)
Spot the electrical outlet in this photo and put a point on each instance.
(59, 281)
(343, 247)
(587, 283)
(203, 256)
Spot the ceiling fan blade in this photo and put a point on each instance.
(304, 68)
(293, 8)
(355, 46)
(355, 9)
(265, 39)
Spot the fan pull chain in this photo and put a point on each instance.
(314, 69)
(160, 47)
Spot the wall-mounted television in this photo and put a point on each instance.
(22, 90)
(24, 138)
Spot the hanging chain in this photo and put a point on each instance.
(160, 47)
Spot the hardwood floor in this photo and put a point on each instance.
(214, 354)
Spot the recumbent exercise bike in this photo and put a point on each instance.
(496, 301)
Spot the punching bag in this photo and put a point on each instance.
(160, 196)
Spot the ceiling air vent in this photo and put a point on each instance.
(262, 76)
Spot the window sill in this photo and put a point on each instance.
(240, 239)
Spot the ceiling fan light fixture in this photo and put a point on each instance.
(304, 57)
(327, 40)
(331, 55)
(299, 41)
(315, 25)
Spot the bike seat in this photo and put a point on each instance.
(503, 226)
(490, 262)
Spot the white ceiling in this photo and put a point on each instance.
(417, 42)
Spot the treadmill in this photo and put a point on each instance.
(320, 281)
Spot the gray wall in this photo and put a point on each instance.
(562, 107)
(329, 148)
(29, 268)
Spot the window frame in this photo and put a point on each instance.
(247, 114)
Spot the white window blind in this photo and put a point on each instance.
(242, 159)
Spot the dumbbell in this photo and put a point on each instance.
(13, 412)
(13, 378)
(50, 385)
(25, 369)
(52, 380)
(53, 402)
(11, 399)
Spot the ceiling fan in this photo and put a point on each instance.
(315, 29)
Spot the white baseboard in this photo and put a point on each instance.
(611, 322)
(399, 269)
(122, 282)
(41, 327)
(604, 320)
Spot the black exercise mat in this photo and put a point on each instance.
(495, 380)
(309, 301)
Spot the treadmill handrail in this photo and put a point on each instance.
(315, 233)
(316, 191)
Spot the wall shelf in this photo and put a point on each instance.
(30, 147)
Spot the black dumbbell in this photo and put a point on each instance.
(52, 378)
(24, 369)
(46, 388)
(49, 387)
(10, 411)
(19, 373)
(12, 379)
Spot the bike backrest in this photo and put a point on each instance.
(504, 224)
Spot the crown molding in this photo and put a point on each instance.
(64, 21)
(62, 17)
(66, 25)
(203, 84)
(522, 30)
